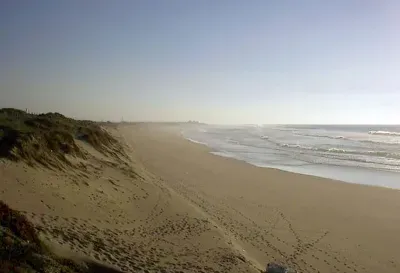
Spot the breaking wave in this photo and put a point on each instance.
(343, 151)
(384, 133)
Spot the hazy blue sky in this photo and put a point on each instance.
(213, 61)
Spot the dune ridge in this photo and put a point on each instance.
(98, 202)
(148, 200)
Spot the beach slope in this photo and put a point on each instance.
(91, 198)
(140, 198)
(312, 224)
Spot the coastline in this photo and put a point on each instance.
(278, 215)
(165, 204)
(345, 174)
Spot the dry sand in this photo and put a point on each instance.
(186, 210)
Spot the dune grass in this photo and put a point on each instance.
(47, 138)
(22, 251)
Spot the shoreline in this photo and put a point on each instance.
(170, 205)
(275, 215)
(362, 177)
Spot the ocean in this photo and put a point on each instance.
(363, 154)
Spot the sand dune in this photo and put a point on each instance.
(118, 213)
(170, 206)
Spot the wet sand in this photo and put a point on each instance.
(174, 207)
(312, 223)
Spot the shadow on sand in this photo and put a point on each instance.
(95, 267)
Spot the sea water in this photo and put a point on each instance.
(364, 154)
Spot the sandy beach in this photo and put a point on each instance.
(316, 224)
(171, 206)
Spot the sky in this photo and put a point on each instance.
(224, 62)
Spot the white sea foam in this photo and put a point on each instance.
(322, 136)
(305, 147)
(195, 141)
(345, 146)
(295, 146)
(384, 133)
(344, 151)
